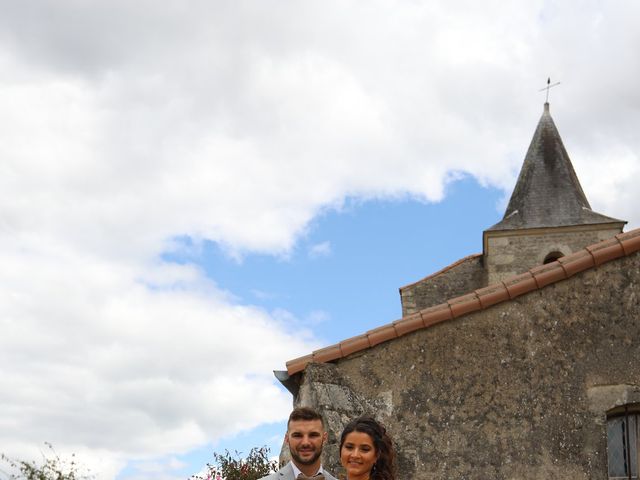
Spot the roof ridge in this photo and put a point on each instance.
(623, 244)
(443, 269)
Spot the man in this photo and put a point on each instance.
(305, 437)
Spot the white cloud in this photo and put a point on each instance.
(262, 295)
(157, 468)
(322, 249)
(318, 316)
(97, 354)
(128, 124)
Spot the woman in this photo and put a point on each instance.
(366, 451)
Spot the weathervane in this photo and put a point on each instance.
(549, 85)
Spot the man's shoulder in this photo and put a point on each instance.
(328, 475)
(286, 472)
(272, 476)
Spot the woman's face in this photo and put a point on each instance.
(358, 455)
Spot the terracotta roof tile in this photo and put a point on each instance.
(298, 364)
(381, 334)
(576, 262)
(408, 324)
(464, 304)
(630, 241)
(606, 250)
(327, 354)
(549, 273)
(436, 314)
(492, 294)
(520, 284)
(536, 278)
(354, 344)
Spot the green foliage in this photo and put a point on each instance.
(234, 467)
(52, 468)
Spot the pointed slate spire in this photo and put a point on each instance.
(548, 193)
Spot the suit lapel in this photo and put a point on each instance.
(286, 472)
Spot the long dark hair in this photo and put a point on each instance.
(385, 466)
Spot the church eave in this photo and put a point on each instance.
(590, 219)
(536, 278)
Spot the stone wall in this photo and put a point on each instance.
(509, 253)
(457, 279)
(517, 391)
(324, 388)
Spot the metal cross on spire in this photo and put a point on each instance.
(549, 85)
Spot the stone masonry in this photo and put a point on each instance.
(511, 252)
(518, 391)
(462, 277)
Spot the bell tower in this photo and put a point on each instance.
(548, 215)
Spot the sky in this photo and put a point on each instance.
(194, 192)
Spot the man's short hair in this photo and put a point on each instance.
(304, 413)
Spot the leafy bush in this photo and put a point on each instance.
(234, 467)
(52, 468)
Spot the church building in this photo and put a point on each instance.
(521, 362)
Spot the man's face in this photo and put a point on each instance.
(305, 439)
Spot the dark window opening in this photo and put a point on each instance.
(623, 442)
(552, 257)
